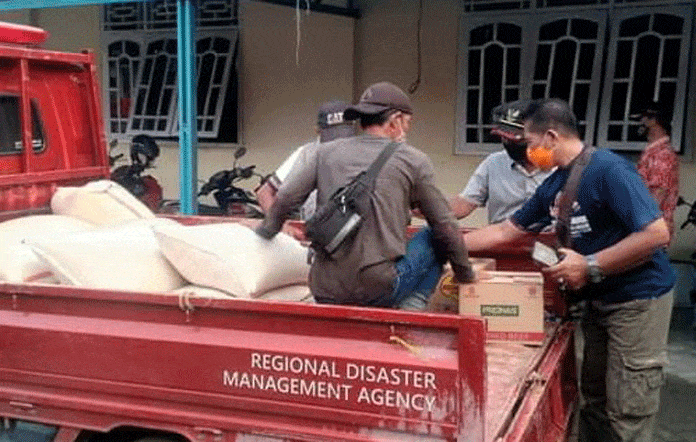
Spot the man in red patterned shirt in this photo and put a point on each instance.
(658, 164)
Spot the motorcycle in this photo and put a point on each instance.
(143, 152)
(691, 217)
(231, 199)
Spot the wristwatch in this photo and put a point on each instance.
(594, 271)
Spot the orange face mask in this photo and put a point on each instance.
(540, 156)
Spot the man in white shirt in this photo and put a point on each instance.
(505, 179)
(330, 126)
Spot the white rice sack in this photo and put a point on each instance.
(232, 258)
(291, 293)
(18, 262)
(16, 230)
(196, 291)
(124, 257)
(101, 202)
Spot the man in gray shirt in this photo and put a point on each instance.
(330, 126)
(377, 267)
(505, 180)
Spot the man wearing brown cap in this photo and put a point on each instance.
(330, 126)
(377, 267)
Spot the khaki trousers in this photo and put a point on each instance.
(622, 368)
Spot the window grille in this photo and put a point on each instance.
(559, 53)
(524, 56)
(140, 47)
(647, 61)
(521, 5)
(568, 66)
(493, 75)
(509, 5)
(161, 14)
(124, 57)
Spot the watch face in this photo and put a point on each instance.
(595, 274)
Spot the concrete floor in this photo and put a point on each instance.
(677, 418)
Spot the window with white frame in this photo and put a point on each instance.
(539, 51)
(139, 44)
(647, 62)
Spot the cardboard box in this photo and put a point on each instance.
(511, 302)
(445, 299)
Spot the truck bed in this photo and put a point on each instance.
(102, 360)
(106, 360)
(82, 360)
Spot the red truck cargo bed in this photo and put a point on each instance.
(101, 360)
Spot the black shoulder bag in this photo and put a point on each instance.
(339, 219)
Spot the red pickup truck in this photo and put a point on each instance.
(89, 365)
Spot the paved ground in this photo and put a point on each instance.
(677, 418)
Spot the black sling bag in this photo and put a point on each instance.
(339, 219)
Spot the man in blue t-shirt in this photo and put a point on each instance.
(617, 262)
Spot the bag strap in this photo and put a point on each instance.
(570, 191)
(376, 166)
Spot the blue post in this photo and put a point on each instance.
(188, 139)
(8, 5)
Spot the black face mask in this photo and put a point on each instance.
(518, 152)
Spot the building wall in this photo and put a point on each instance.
(338, 58)
(385, 45)
(279, 93)
(386, 49)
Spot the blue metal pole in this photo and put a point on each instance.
(8, 5)
(188, 139)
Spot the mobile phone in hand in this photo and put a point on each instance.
(544, 255)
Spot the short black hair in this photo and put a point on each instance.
(658, 111)
(551, 113)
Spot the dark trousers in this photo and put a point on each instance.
(622, 368)
(417, 273)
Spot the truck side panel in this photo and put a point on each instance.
(55, 94)
(337, 373)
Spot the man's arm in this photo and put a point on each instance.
(266, 192)
(434, 207)
(635, 249)
(632, 251)
(292, 193)
(462, 207)
(492, 235)
(475, 193)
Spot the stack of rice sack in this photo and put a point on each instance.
(100, 236)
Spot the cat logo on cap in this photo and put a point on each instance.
(334, 118)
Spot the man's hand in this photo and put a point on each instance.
(461, 207)
(265, 195)
(572, 269)
(293, 231)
